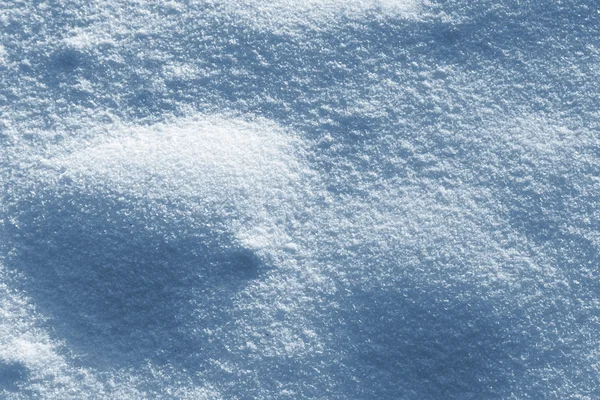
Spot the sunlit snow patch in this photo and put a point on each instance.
(214, 167)
(288, 15)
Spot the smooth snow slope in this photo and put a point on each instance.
(319, 200)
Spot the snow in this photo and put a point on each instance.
(319, 199)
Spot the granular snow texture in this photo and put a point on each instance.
(327, 199)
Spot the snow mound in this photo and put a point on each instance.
(159, 228)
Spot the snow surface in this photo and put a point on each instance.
(324, 199)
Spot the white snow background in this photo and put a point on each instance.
(327, 199)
